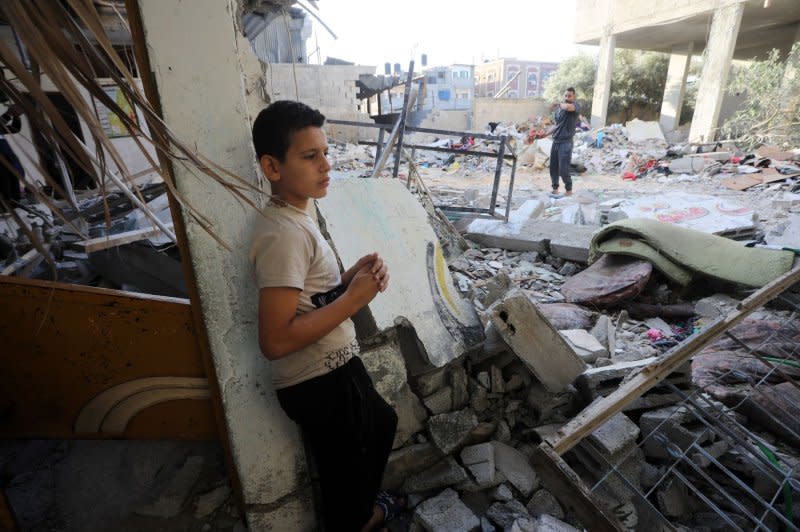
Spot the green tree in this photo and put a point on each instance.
(638, 80)
(771, 113)
(577, 71)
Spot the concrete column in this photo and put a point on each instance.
(675, 87)
(208, 81)
(716, 67)
(602, 82)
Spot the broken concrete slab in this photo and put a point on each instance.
(544, 503)
(641, 131)
(386, 366)
(515, 468)
(536, 341)
(450, 431)
(601, 381)
(566, 241)
(673, 424)
(615, 435)
(446, 513)
(606, 333)
(502, 493)
(585, 345)
(548, 523)
(789, 235)
(442, 474)
(440, 401)
(504, 514)
(362, 215)
(408, 461)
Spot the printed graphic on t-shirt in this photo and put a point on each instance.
(335, 359)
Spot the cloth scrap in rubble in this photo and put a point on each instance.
(682, 253)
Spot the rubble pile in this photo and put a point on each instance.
(124, 249)
(487, 411)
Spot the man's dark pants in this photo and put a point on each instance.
(560, 157)
(349, 429)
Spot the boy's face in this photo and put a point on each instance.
(303, 173)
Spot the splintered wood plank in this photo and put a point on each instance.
(571, 491)
(534, 340)
(120, 239)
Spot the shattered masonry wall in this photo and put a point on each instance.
(451, 120)
(329, 88)
(487, 110)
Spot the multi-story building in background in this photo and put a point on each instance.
(491, 76)
(448, 87)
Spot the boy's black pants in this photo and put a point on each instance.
(349, 429)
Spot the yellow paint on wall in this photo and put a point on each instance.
(440, 268)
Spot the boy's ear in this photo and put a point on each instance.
(270, 167)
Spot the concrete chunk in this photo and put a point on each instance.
(567, 241)
(446, 513)
(515, 467)
(450, 431)
(407, 461)
(476, 454)
(444, 473)
(586, 346)
(504, 514)
(386, 367)
(534, 340)
(440, 401)
(548, 523)
(544, 503)
(616, 434)
(572, 242)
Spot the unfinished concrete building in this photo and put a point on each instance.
(720, 30)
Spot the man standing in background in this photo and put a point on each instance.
(566, 117)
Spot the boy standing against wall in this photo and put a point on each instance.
(304, 323)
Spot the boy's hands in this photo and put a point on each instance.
(362, 288)
(374, 265)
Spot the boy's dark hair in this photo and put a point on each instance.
(571, 89)
(276, 123)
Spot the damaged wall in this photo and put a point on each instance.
(329, 88)
(487, 110)
(199, 42)
(451, 120)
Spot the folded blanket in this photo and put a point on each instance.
(684, 254)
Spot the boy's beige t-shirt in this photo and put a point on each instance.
(288, 250)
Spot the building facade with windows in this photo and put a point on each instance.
(491, 76)
(448, 87)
